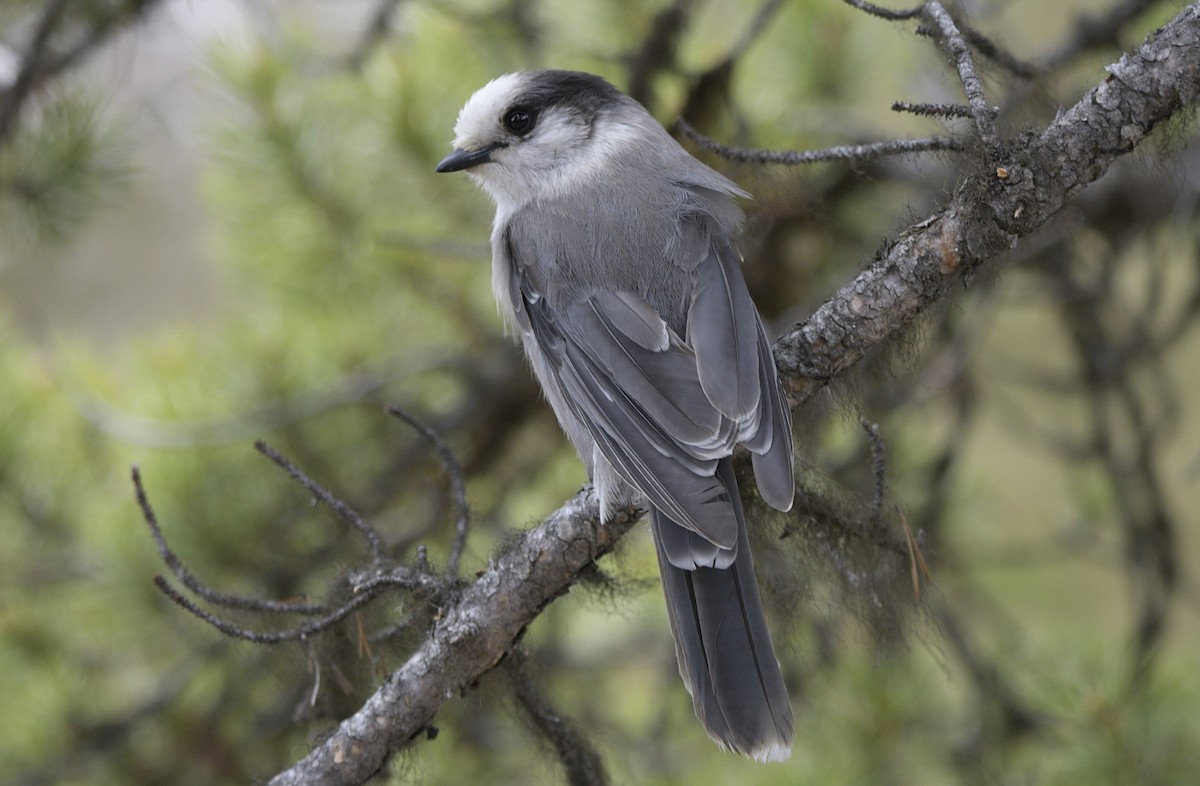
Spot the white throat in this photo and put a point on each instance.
(559, 164)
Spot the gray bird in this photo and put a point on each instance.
(613, 261)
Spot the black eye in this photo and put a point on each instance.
(519, 121)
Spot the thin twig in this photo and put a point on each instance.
(997, 54)
(883, 13)
(458, 484)
(41, 63)
(878, 467)
(983, 114)
(837, 153)
(398, 576)
(275, 637)
(343, 511)
(365, 587)
(187, 579)
(932, 110)
(581, 761)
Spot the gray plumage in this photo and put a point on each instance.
(613, 261)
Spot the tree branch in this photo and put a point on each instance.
(992, 210)
(470, 638)
(995, 208)
(44, 60)
(865, 152)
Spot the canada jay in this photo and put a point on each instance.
(613, 260)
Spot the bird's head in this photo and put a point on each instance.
(525, 135)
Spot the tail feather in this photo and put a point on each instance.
(724, 647)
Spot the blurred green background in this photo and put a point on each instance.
(224, 225)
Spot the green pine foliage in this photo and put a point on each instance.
(59, 166)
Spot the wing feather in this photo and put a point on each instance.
(722, 328)
(772, 449)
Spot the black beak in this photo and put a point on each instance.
(464, 159)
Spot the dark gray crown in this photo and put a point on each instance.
(576, 90)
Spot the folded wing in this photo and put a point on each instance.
(664, 408)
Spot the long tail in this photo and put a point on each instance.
(723, 645)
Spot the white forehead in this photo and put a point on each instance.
(479, 117)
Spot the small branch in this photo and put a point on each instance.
(14, 97)
(944, 111)
(458, 484)
(276, 637)
(373, 580)
(878, 467)
(994, 52)
(343, 511)
(884, 13)
(40, 63)
(185, 577)
(918, 569)
(837, 153)
(366, 585)
(983, 114)
(583, 764)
